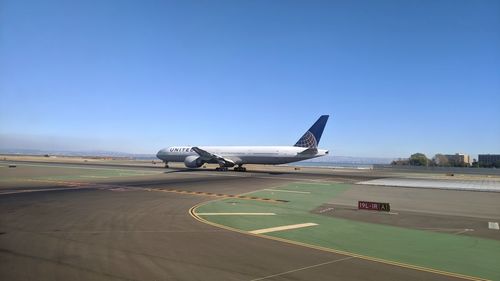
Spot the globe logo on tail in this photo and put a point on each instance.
(307, 140)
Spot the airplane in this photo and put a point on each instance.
(237, 156)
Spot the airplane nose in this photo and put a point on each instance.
(160, 153)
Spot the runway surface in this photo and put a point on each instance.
(93, 222)
(473, 185)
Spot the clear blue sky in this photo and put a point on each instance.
(397, 77)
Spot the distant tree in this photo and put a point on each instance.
(441, 160)
(432, 162)
(400, 162)
(419, 159)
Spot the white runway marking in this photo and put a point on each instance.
(316, 183)
(463, 231)
(475, 185)
(493, 225)
(302, 268)
(236, 214)
(291, 191)
(456, 230)
(284, 227)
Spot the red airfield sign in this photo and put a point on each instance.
(374, 206)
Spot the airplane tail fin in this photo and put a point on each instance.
(311, 138)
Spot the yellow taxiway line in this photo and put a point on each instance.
(211, 194)
(236, 214)
(192, 212)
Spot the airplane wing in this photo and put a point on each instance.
(207, 156)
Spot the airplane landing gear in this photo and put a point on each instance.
(221, 169)
(240, 169)
(166, 165)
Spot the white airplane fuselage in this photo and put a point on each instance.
(243, 154)
(229, 156)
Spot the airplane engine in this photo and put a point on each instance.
(193, 162)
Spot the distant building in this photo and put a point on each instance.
(488, 159)
(458, 158)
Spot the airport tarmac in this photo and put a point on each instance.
(107, 221)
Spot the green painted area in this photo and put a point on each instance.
(74, 173)
(85, 175)
(454, 253)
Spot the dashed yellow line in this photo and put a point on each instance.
(220, 195)
(38, 190)
(192, 212)
(114, 187)
(87, 184)
(67, 183)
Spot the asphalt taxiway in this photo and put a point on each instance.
(112, 222)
